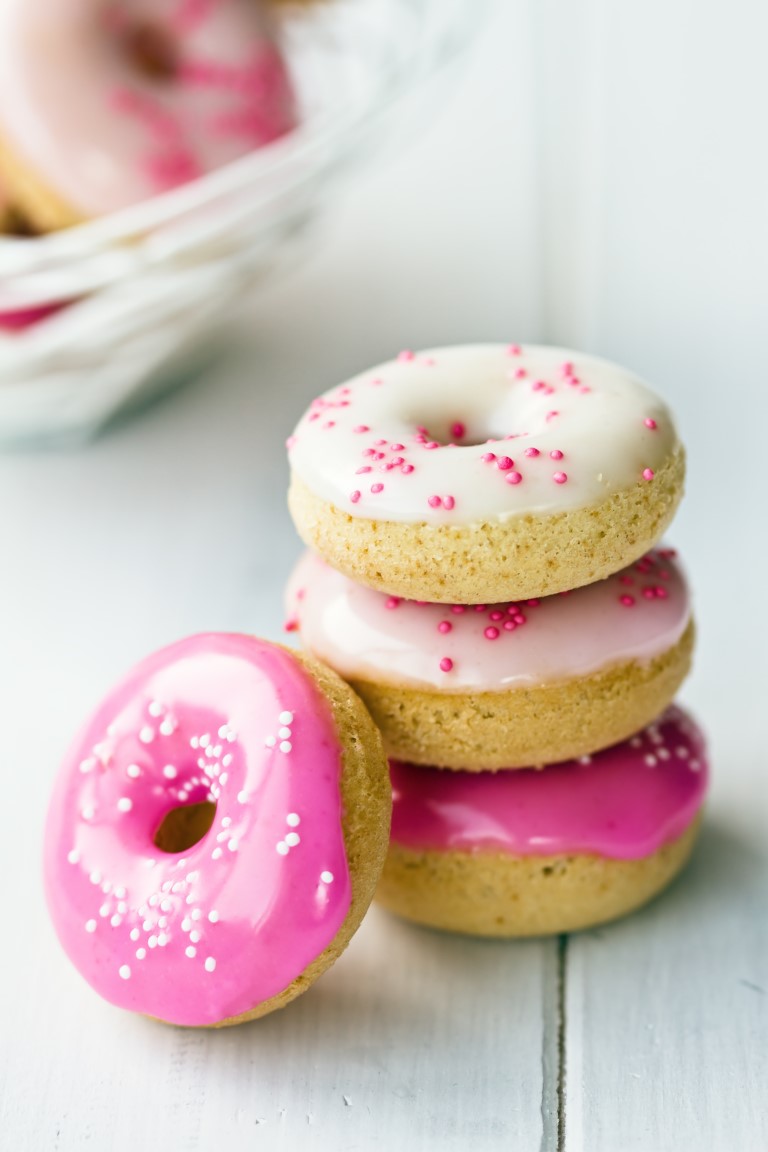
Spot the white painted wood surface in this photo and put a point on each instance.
(642, 1037)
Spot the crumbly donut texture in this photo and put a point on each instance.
(39, 204)
(523, 557)
(496, 894)
(525, 727)
(367, 806)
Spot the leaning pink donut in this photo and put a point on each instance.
(104, 103)
(217, 831)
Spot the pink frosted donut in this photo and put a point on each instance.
(104, 103)
(519, 853)
(508, 685)
(216, 831)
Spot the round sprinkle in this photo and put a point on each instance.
(446, 664)
(491, 633)
(488, 457)
(147, 734)
(514, 478)
(377, 488)
(559, 477)
(449, 502)
(140, 953)
(504, 463)
(190, 951)
(650, 423)
(326, 877)
(532, 452)
(355, 496)
(210, 964)
(284, 733)
(74, 856)
(648, 474)
(124, 804)
(170, 772)
(555, 454)
(458, 430)
(124, 972)
(133, 771)
(444, 626)
(434, 501)
(293, 820)
(90, 925)
(627, 600)
(361, 428)
(282, 848)
(285, 745)
(292, 839)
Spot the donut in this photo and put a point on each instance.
(216, 832)
(486, 473)
(529, 853)
(481, 687)
(104, 104)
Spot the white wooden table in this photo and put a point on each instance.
(641, 1037)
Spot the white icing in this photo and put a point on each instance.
(599, 427)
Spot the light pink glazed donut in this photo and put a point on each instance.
(489, 686)
(104, 103)
(519, 853)
(269, 768)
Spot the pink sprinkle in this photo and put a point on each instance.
(514, 350)
(488, 457)
(378, 455)
(379, 443)
(397, 447)
(519, 618)
(540, 386)
(520, 374)
(491, 633)
(497, 615)
(398, 460)
(290, 442)
(457, 609)
(393, 602)
(406, 355)
(559, 477)
(661, 593)
(531, 452)
(406, 469)
(434, 501)
(514, 478)
(626, 580)
(368, 452)
(432, 444)
(509, 625)
(533, 603)
(291, 625)
(555, 454)
(444, 626)
(446, 664)
(649, 593)
(449, 502)
(365, 468)
(627, 600)
(354, 496)
(567, 368)
(377, 487)
(504, 463)
(648, 474)
(649, 423)
(458, 430)
(361, 428)
(479, 607)
(551, 415)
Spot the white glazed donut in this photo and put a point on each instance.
(487, 473)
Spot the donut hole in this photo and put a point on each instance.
(461, 432)
(183, 827)
(152, 51)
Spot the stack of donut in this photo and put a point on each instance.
(486, 572)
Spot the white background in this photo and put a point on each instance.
(596, 175)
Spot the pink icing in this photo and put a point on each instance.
(114, 101)
(632, 616)
(625, 802)
(196, 937)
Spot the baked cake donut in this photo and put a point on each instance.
(479, 474)
(104, 103)
(217, 831)
(505, 685)
(528, 853)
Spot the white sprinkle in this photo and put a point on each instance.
(148, 925)
(116, 920)
(211, 751)
(663, 753)
(216, 854)
(292, 839)
(222, 836)
(122, 907)
(163, 939)
(103, 751)
(166, 886)
(162, 921)
(650, 760)
(104, 910)
(232, 844)
(168, 726)
(635, 742)
(286, 717)
(226, 760)
(95, 876)
(195, 936)
(155, 708)
(106, 886)
(87, 765)
(194, 742)
(326, 877)
(125, 804)
(191, 952)
(682, 752)
(135, 934)
(223, 778)
(73, 856)
(217, 751)
(285, 746)
(231, 736)
(284, 733)
(192, 876)
(222, 733)
(226, 821)
(119, 892)
(585, 759)
(88, 812)
(695, 765)
(210, 964)
(170, 772)
(213, 915)
(90, 925)
(125, 972)
(154, 900)
(196, 914)
(186, 924)
(205, 740)
(166, 905)
(152, 941)
(282, 848)
(147, 734)
(177, 887)
(189, 899)
(133, 771)
(293, 819)
(242, 797)
(140, 953)
(270, 741)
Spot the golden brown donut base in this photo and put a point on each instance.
(487, 563)
(526, 727)
(38, 205)
(495, 894)
(366, 811)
